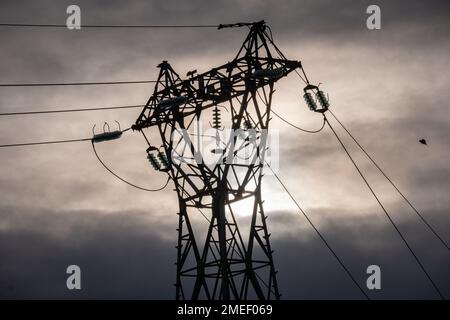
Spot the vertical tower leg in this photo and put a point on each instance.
(228, 268)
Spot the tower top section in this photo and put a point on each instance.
(258, 63)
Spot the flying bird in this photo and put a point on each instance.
(423, 141)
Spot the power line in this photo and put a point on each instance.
(74, 83)
(391, 182)
(25, 144)
(96, 154)
(386, 213)
(378, 200)
(98, 26)
(122, 179)
(318, 233)
(305, 80)
(43, 142)
(296, 127)
(68, 110)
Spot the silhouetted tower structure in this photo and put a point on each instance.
(221, 261)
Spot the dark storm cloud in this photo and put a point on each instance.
(121, 255)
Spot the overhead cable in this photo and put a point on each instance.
(31, 112)
(387, 214)
(297, 127)
(319, 234)
(392, 183)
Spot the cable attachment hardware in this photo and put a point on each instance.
(261, 24)
(171, 103)
(107, 134)
(191, 74)
(312, 91)
(152, 158)
(217, 125)
(158, 159)
(163, 159)
(269, 73)
(216, 119)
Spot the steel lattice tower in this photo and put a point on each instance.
(220, 263)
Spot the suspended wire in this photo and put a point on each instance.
(203, 214)
(98, 26)
(270, 37)
(384, 174)
(386, 213)
(74, 83)
(122, 179)
(305, 80)
(291, 124)
(304, 75)
(296, 127)
(391, 182)
(378, 200)
(41, 143)
(96, 154)
(319, 234)
(68, 110)
(25, 144)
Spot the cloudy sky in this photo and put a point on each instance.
(58, 206)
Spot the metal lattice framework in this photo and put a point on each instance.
(220, 262)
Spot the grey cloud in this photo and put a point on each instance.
(122, 256)
(390, 87)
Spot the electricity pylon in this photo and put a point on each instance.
(220, 263)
